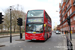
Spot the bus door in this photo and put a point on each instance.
(46, 31)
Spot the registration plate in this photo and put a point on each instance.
(33, 39)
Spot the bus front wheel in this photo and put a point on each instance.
(46, 37)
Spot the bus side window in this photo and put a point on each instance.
(50, 28)
(47, 28)
(46, 15)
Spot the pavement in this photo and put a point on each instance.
(9, 44)
(73, 41)
(8, 35)
(5, 39)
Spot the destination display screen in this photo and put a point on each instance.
(35, 20)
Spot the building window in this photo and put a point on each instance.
(68, 13)
(70, 10)
(67, 28)
(71, 28)
(74, 18)
(63, 19)
(71, 19)
(74, 27)
(70, 1)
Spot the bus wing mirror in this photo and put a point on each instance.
(44, 25)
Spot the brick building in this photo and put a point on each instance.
(67, 9)
(58, 28)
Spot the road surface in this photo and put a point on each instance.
(56, 42)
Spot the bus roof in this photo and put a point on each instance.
(36, 9)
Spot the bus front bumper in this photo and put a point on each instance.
(31, 37)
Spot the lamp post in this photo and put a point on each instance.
(10, 25)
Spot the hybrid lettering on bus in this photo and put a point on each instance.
(38, 25)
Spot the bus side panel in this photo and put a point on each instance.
(48, 24)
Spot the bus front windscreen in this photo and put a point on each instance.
(31, 28)
(35, 13)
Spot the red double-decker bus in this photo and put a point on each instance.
(38, 25)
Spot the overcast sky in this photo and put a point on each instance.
(51, 6)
